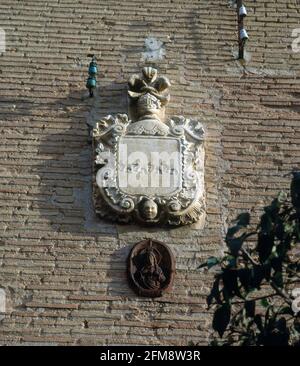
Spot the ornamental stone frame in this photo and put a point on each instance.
(147, 169)
(151, 268)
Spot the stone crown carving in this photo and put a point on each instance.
(148, 95)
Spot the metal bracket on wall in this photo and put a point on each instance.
(93, 70)
(242, 33)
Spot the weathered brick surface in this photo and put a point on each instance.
(63, 270)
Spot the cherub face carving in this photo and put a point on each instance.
(149, 210)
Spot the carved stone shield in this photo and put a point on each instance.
(146, 170)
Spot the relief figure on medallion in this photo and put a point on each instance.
(151, 268)
(150, 276)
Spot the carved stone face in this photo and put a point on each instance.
(151, 259)
(149, 210)
(148, 105)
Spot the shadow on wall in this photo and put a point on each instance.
(65, 173)
(65, 183)
(58, 182)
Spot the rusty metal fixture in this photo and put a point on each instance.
(151, 268)
(92, 81)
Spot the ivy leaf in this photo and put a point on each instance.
(276, 264)
(222, 318)
(267, 271)
(211, 261)
(297, 232)
(295, 190)
(215, 293)
(266, 224)
(257, 276)
(292, 268)
(244, 275)
(279, 230)
(258, 321)
(289, 228)
(250, 308)
(234, 245)
(232, 231)
(281, 324)
(264, 302)
(282, 196)
(229, 261)
(287, 310)
(278, 279)
(274, 208)
(297, 324)
(243, 219)
(264, 246)
(230, 283)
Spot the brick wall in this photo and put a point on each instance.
(63, 269)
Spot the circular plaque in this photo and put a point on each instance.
(151, 268)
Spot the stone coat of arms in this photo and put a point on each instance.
(147, 169)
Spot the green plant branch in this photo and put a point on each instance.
(258, 266)
(255, 299)
(249, 257)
